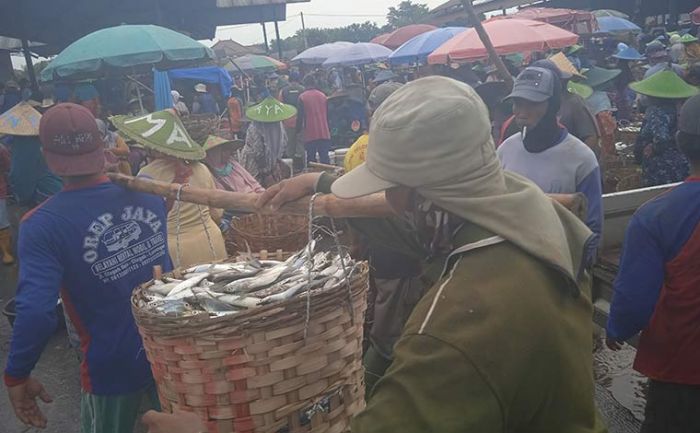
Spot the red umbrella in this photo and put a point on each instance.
(508, 37)
(403, 34)
(695, 16)
(380, 39)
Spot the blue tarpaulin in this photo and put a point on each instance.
(208, 74)
(161, 87)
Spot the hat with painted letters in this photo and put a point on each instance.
(71, 141)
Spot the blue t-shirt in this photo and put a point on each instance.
(93, 244)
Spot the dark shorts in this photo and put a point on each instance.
(672, 408)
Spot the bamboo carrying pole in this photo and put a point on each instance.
(372, 206)
(327, 205)
(486, 40)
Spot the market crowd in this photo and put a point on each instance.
(481, 283)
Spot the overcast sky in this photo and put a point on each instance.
(318, 13)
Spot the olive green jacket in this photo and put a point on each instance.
(496, 345)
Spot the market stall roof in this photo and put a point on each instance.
(361, 53)
(60, 22)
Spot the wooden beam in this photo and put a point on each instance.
(486, 40)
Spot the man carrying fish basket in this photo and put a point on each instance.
(502, 339)
(92, 244)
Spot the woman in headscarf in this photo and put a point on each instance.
(229, 175)
(623, 97)
(266, 141)
(599, 79)
(193, 235)
(656, 149)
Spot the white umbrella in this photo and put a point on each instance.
(320, 53)
(361, 53)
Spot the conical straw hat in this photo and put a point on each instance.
(270, 110)
(161, 131)
(22, 119)
(214, 141)
(665, 84)
(565, 65)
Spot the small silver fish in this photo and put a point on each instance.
(264, 278)
(187, 284)
(238, 301)
(162, 288)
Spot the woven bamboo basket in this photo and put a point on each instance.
(255, 371)
(267, 232)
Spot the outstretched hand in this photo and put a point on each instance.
(23, 399)
(287, 190)
(613, 344)
(178, 422)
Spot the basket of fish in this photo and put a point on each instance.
(259, 345)
(267, 232)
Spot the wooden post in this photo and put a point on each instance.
(279, 41)
(495, 58)
(267, 45)
(30, 65)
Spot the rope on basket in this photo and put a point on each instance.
(178, 202)
(310, 263)
(347, 274)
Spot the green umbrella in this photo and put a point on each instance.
(270, 110)
(253, 62)
(665, 84)
(162, 131)
(597, 76)
(124, 49)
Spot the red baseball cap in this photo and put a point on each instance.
(71, 141)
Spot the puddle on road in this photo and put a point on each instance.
(613, 370)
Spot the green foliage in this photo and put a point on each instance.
(358, 32)
(407, 13)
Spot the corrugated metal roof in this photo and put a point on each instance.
(239, 3)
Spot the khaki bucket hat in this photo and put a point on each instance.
(412, 139)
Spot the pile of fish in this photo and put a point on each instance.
(227, 288)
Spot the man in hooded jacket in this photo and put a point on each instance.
(502, 340)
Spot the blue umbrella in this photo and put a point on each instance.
(417, 49)
(616, 24)
(320, 53)
(361, 53)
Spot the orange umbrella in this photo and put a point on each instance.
(380, 39)
(508, 37)
(403, 34)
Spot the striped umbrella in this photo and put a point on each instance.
(252, 62)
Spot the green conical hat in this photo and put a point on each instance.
(665, 84)
(580, 89)
(574, 49)
(22, 119)
(597, 76)
(270, 110)
(214, 141)
(162, 131)
(688, 38)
